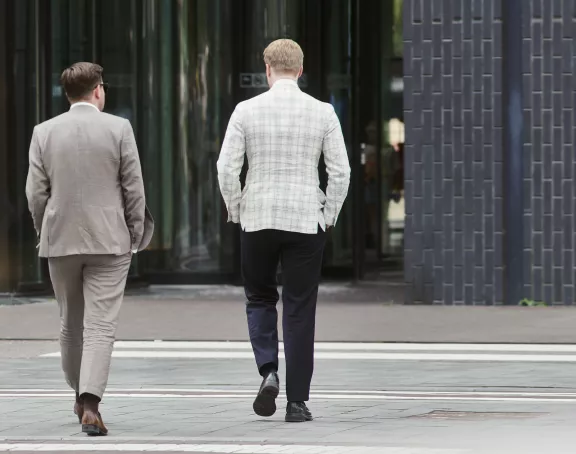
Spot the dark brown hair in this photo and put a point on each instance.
(80, 79)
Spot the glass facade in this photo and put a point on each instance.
(176, 69)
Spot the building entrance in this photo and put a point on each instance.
(176, 70)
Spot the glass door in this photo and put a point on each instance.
(31, 106)
(350, 60)
(336, 22)
(362, 79)
(378, 159)
(256, 24)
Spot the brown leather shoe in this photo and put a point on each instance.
(79, 411)
(79, 408)
(92, 423)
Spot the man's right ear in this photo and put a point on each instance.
(98, 91)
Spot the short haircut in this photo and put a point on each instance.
(284, 55)
(80, 79)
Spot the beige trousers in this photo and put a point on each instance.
(89, 290)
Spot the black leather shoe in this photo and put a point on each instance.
(265, 403)
(298, 412)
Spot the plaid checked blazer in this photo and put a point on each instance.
(283, 133)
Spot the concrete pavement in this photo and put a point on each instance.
(442, 396)
(345, 313)
(457, 405)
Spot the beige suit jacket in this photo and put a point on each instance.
(84, 186)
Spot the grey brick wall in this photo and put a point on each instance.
(454, 173)
(549, 63)
(453, 119)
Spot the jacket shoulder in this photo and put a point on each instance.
(314, 102)
(46, 125)
(113, 118)
(113, 122)
(324, 109)
(252, 102)
(66, 116)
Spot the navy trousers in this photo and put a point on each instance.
(300, 256)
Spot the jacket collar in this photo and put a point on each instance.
(83, 105)
(285, 83)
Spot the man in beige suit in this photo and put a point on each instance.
(86, 196)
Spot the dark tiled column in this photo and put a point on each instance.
(453, 99)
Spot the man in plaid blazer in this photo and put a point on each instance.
(284, 216)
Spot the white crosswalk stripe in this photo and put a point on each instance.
(351, 351)
(221, 449)
(353, 346)
(320, 394)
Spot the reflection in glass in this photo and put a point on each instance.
(116, 28)
(6, 112)
(198, 215)
(392, 150)
(338, 81)
(158, 135)
(264, 22)
(396, 210)
(398, 46)
(29, 268)
(72, 29)
(388, 183)
(155, 121)
(117, 49)
(173, 67)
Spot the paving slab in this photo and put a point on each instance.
(363, 407)
(345, 313)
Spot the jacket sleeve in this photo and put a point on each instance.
(132, 185)
(37, 183)
(337, 167)
(230, 165)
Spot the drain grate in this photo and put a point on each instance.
(477, 415)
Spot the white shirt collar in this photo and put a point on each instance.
(76, 104)
(286, 82)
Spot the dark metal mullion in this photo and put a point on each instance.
(232, 65)
(512, 150)
(138, 15)
(24, 115)
(239, 49)
(175, 126)
(379, 141)
(226, 40)
(356, 164)
(65, 46)
(43, 61)
(96, 29)
(7, 250)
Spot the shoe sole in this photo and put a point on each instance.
(92, 430)
(298, 418)
(265, 403)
